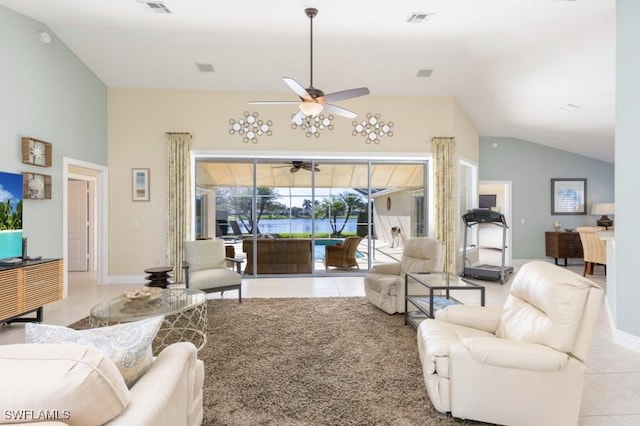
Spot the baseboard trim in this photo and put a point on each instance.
(619, 337)
(126, 279)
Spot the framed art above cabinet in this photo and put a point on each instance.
(36, 152)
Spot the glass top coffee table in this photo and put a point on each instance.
(184, 310)
(430, 292)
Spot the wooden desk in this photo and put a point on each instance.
(563, 245)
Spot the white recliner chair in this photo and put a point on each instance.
(520, 364)
(384, 286)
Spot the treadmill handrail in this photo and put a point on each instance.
(477, 216)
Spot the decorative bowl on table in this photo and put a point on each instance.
(568, 229)
(141, 294)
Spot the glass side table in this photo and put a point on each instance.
(184, 310)
(438, 294)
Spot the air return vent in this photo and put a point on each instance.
(202, 67)
(156, 6)
(419, 17)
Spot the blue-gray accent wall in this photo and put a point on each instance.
(627, 152)
(530, 168)
(47, 93)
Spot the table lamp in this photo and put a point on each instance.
(603, 210)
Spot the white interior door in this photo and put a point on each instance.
(78, 226)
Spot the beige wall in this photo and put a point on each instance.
(138, 120)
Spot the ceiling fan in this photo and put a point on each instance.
(313, 101)
(296, 166)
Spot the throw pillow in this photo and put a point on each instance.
(128, 345)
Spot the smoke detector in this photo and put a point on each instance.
(44, 37)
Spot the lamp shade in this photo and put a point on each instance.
(603, 209)
(310, 109)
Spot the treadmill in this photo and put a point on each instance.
(486, 272)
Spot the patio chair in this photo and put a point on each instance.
(342, 256)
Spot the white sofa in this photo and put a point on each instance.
(78, 385)
(520, 364)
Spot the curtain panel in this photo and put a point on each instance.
(445, 164)
(178, 198)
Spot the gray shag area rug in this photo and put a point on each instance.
(312, 361)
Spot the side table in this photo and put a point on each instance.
(563, 245)
(158, 276)
(438, 287)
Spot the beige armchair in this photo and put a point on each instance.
(523, 363)
(593, 248)
(384, 286)
(205, 267)
(342, 256)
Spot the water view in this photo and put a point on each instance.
(303, 226)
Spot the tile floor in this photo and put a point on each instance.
(612, 387)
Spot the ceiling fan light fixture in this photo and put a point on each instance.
(310, 109)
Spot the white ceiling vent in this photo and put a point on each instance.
(156, 6)
(569, 108)
(424, 73)
(202, 67)
(419, 17)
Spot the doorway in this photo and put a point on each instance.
(93, 179)
(80, 224)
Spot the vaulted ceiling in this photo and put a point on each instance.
(538, 70)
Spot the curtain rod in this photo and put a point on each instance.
(177, 133)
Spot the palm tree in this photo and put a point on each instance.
(10, 217)
(243, 205)
(343, 205)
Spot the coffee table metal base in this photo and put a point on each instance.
(183, 320)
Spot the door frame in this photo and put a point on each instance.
(101, 217)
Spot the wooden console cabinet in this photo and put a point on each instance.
(563, 245)
(27, 286)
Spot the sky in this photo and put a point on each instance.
(10, 187)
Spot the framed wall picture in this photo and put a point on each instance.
(140, 185)
(36, 152)
(36, 186)
(568, 196)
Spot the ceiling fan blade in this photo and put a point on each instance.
(297, 87)
(332, 109)
(346, 94)
(299, 118)
(274, 102)
(294, 169)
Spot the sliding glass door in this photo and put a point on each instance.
(366, 208)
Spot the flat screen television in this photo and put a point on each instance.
(487, 201)
(10, 215)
